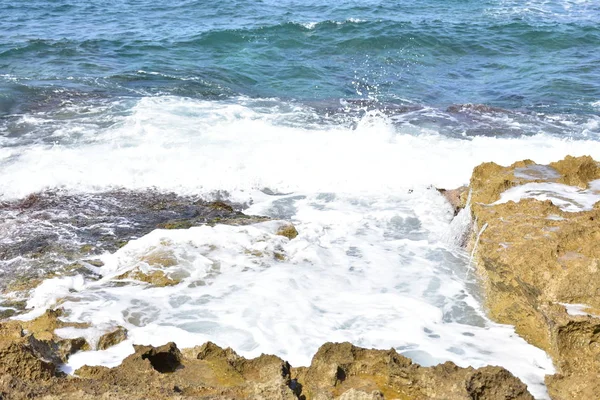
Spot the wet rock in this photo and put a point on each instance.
(240, 220)
(534, 257)
(56, 350)
(577, 171)
(154, 268)
(489, 180)
(18, 358)
(479, 108)
(112, 338)
(163, 359)
(44, 325)
(338, 371)
(9, 307)
(7, 313)
(178, 224)
(456, 197)
(155, 278)
(287, 230)
(341, 369)
(52, 233)
(45, 343)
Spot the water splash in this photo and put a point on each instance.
(475, 246)
(460, 226)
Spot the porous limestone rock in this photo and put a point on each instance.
(338, 368)
(154, 277)
(577, 171)
(338, 371)
(112, 338)
(533, 258)
(288, 230)
(18, 358)
(45, 343)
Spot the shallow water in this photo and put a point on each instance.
(340, 118)
(373, 270)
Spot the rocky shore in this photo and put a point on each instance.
(539, 261)
(31, 353)
(56, 233)
(536, 248)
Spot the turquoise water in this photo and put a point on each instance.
(341, 117)
(533, 55)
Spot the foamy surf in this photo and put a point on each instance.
(371, 270)
(568, 198)
(372, 263)
(196, 146)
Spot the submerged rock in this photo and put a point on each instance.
(155, 277)
(479, 108)
(537, 261)
(57, 233)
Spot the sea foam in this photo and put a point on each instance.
(372, 263)
(192, 146)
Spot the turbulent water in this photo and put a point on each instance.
(341, 118)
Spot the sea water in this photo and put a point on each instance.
(342, 119)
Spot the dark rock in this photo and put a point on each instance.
(112, 338)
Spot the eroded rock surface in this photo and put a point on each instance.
(538, 263)
(338, 371)
(344, 371)
(31, 351)
(57, 233)
(112, 338)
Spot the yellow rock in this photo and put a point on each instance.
(288, 230)
(112, 338)
(338, 371)
(577, 171)
(533, 257)
(155, 277)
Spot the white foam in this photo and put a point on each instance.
(568, 198)
(355, 20)
(49, 291)
(577, 309)
(110, 357)
(375, 262)
(369, 269)
(309, 25)
(200, 146)
(313, 24)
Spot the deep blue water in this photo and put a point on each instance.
(510, 54)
